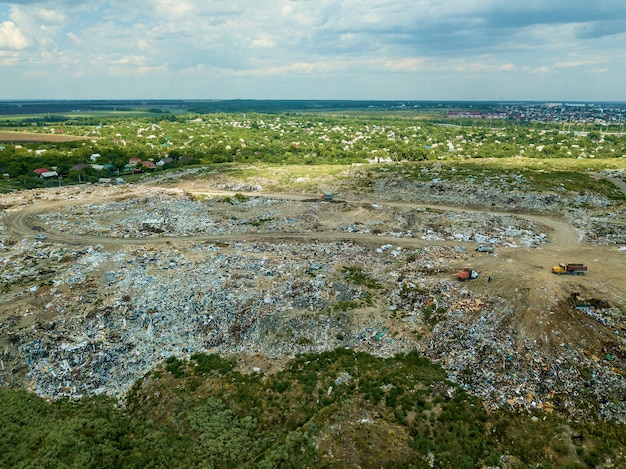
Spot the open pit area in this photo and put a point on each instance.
(100, 284)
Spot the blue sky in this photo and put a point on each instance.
(572, 50)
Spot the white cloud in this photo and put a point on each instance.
(176, 8)
(264, 40)
(573, 63)
(33, 19)
(114, 65)
(297, 68)
(129, 60)
(11, 37)
(599, 70)
(135, 69)
(542, 69)
(8, 58)
(352, 41)
(404, 64)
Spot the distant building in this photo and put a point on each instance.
(164, 161)
(465, 115)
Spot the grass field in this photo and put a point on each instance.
(25, 137)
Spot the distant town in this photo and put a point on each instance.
(591, 113)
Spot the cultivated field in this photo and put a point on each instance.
(25, 137)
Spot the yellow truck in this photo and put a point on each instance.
(569, 269)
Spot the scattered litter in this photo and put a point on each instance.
(111, 315)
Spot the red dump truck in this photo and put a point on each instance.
(466, 274)
(569, 269)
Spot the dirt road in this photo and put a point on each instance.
(21, 223)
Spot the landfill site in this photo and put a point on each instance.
(101, 283)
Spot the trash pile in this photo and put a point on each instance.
(108, 318)
(464, 193)
(4, 240)
(73, 193)
(464, 227)
(176, 214)
(603, 232)
(614, 173)
(136, 218)
(473, 343)
(482, 228)
(82, 320)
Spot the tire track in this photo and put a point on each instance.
(21, 223)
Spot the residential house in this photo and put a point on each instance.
(164, 161)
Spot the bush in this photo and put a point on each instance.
(209, 363)
(176, 367)
(356, 275)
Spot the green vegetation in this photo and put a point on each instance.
(246, 143)
(355, 274)
(394, 412)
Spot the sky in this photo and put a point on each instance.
(545, 50)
